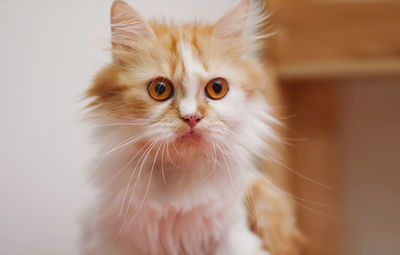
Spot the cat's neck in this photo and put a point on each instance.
(179, 183)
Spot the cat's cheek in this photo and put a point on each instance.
(231, 107)
(160, 109)
(164, 113)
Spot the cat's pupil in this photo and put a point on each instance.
(217, 87)
(159, 88)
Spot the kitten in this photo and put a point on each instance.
(181, 121)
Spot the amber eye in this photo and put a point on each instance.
(217, 88)
(160, 89)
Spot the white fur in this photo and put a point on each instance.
(193, 68)
(194, 204)
(193, 213)
(197, 209)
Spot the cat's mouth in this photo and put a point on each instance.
(189, 132)
(191, 135)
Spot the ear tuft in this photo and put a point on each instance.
(127, 25)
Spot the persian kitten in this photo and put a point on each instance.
(180, 120)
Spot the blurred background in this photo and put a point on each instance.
(336, 64)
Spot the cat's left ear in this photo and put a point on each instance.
(233, 24)
(239, 21)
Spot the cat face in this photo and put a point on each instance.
(193, 84)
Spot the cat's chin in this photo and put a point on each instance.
(191, 139)
(189, 134)
(192, 133)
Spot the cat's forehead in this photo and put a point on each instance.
(185, 47)
(191, 70)
(189, 56)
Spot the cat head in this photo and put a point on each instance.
(194, 85)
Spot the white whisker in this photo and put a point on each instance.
(227, 168)
(126, 142)
(280, 163)
(293, 197)
(148, 184)
(146, 152)
(131, 176)
(119, 124)
(214, 162)
(162, 163)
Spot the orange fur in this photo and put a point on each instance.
(120, 91)
(271, 217)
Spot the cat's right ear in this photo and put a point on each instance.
(127, 25)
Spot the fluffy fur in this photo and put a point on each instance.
(162, 191)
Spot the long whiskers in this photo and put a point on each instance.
(129, 162)
(171, 161)
(124, 143)
(280, 163)
(134, 138)
(162, 163)
(141, 160)
(214, 161)
(133, 173)
(286, 141)
(295, 198)
(227, 168)
(119, 124)
(148, 183)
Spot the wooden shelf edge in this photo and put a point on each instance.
(338, 69)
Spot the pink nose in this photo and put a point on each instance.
(192, 119)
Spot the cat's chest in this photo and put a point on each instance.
(170, 231)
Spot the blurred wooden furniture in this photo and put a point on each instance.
(335, 37)
(319, 47)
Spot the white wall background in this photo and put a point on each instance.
(49, 52)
